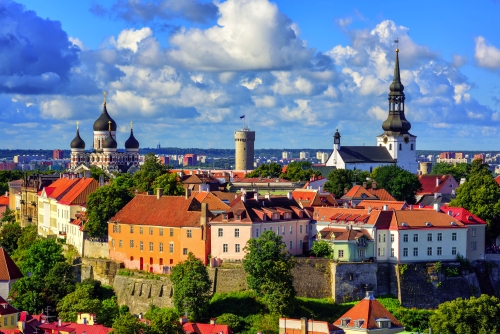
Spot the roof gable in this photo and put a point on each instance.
(8, 269)
(432, 184)
(79, 192)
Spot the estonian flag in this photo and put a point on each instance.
(241, 117)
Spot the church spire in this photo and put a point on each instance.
(396, 123)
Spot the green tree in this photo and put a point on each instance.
(480, 194)
(103, 204)
(272, 170)
(400, 183)
(322, 248)
(338, 180)
(7, 176)
(9, 235)
(128, 324)
(28, 237)
(42, 256)
(96, 173)
(8, 216)
(468, 316)
(191, 287)
(148, 172)
(163, 320)
(59, 282)
(170, 184)
(232, 320)
(109, 312)
(458, 171)
(81, 300)
(300, 171)
(27, 294)
(125, 181)
(268, 266)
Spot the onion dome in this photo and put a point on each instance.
(102, 123)
(78, 141)
(109, 142)
(131, 141)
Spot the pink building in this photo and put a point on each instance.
(249, 216)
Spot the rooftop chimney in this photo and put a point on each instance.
(203, 220)
(188, 193)
(256, 195)
(437, 207)
(244, 198)
(385, 207)
(159, 193)
(59, 322)
(213, 321)
(289, 195)
(437, 181)
(183, 320)
(364, 185)
(374, 184)
(369, 295)
(267, 195)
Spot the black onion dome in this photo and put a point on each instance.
(109, 142)
(102, 123)
(78, 141)
(131, 141)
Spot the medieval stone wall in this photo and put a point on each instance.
(350, 280)
(95, 249)
(312, 278)
(103, 270)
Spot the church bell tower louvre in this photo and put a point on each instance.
(400, 143)
(105, 153)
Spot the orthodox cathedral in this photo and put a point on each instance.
(105, 154)
(394, 146)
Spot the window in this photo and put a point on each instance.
(278, 229)
(224, 248)
(113, 243)
(291, 244)
(236, 232)
(440, 251)
(283, 230)
(415, 251)
(453, 250)
(306, 228)
(383, 237)
(171, 247)
(405, 252)
(473, 245)
(392, 252)
(291, 230)
(150, 246)
(300, 229)
(405, 237)
(141, 230)
(237, 248)
(161, 247)
(429, 251)
(161, 231)
(131, 243)
(361, 253)
(381, 251)
(220, 232)
(411, 147)
(400, 147)
(141, 245)
(184, 251)
(415, 238)
(5, 321)
(392, 237)
(131, 228)
(121, 244)
(189, 233)
(390, 147)
(341, 253)
(454, 236)
(12, 320)
(171, 232)
(380, 238)
(440, 236)
(119, 229)
(257, 233)
(473, 231)
(300, 245)
(429, 236)
(150, 231)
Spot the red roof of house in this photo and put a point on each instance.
(420, 219)
(192, 328)
(378, 205)
(430, 183)
(498, 179)
(463, 215)
(4, 200)
(8, 269)
(72, 197)
(214, 203)
(6, 308)
(60, 187)
(331, 233)
(313, 197)
(54, 328)
(358, 192)
(368, 311)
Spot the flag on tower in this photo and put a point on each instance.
(241, 117)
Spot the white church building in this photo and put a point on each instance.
(395, 146)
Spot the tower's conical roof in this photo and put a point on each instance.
(131, 141)
(102, 123)
(78, 142)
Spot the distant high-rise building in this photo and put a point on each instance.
(286, 155)
(304, 155)
(190, 160)
(58, 154)
(480, 156)
(447, 155)
(244, 142)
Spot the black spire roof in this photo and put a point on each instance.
(78, 141)
(396, 123)
(336, 137)
(109, 142)
(101, 124)
(131, 141)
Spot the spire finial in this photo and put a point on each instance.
(397, 44)
(131, 125)
(77, 125)
(104, 93)
(109, 124)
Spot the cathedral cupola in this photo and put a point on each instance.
(102, 123)
(109, 143)
(336, 140)
(131, 144)
(77, 144)
(396, 123)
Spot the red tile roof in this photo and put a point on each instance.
(166, 211)
(368, 310)
(6, 308)
(8, 269)
(214, 203)
(4, 200)
(331, 233)
(378, 205)
(430, 183)
(84, 186)
(463, 215)
(419, 219)
(313, 197)
(54, 328)
(358, 192)
(498, 179)
(61, 187)
(197, 328)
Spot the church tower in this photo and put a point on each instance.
(244, 141)
(396, 138)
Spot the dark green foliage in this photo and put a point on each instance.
(400, 183)
(458, 171)
(42, 256)
(28, 237)
(128, 324)
(8, 216)
(299, 171)
(272, 170)
(338, 180)
(7, 176)
(59, 282)
(170, 184)
(163, 320)
(468, 316)
(9, 235)
(27, 294)
(96, 173)
(148, 172)
(232, 320)
(109, 312)
(103, 204)
(268, 266)
(322, 248)
(191, 287)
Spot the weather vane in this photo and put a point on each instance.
(397, 44)
(104, 93)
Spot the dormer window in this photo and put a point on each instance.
(238, 217)
(276, 216)
(288, 215)
(224, 216)
(383, 323)
(345, 322)
(358, 323)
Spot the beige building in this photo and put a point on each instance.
(244, 141)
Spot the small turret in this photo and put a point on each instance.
(336, 140)
(109, 143)
(131, 144)
(77, 144)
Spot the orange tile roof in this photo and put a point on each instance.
(327, 214)
(8, 269)
(214, 203)
(331, 233)
(166, 211)
(88, 185)
(359, 192)
(428, 183)
(419, 219)
(382, 194)
(60, 187)
(368, 310)
(498, 179)
(4, 200)
(313, 197)
(378, 205)
(463, 215)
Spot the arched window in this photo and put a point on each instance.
(400, 147)
(411, 147)
(390, 147)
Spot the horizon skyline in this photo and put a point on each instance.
(184, 72)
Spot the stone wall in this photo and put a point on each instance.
(387, 281)
(312, 278)
(95, 249)
(350, 280)
(102, 270)
(227, 280)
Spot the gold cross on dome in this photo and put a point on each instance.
(77, 124)
(104, 93)
(109, 126)
(131, 125)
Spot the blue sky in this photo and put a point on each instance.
(184, 71)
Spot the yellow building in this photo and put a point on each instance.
(8, 315)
